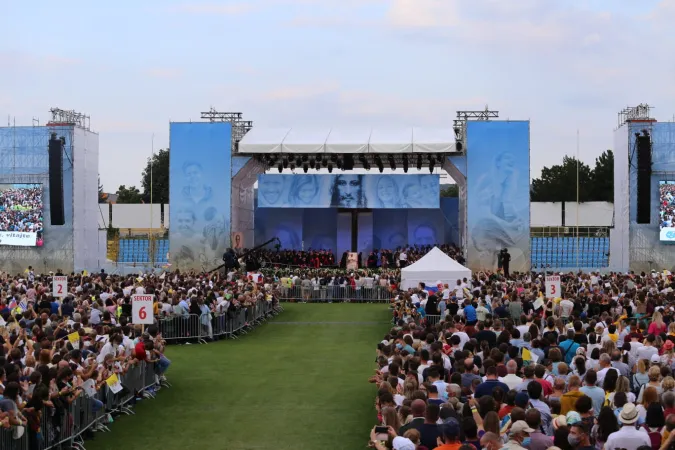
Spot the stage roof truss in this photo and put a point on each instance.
(260, 140)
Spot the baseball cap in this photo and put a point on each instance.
(521, 426)
(401, 443)
(655, 359)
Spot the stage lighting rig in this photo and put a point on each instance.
(305, 167)
(392, 162)
(405, 163)
(280, 167)
(285, 162)
(432, 163)
(324, 161)
(419, 162)
(364, 162)
(330, 167)
(378, 163)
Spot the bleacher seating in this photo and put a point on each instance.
(561, 252)
(139, 251)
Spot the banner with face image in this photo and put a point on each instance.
(348, 191)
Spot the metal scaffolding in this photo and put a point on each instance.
(239, 126)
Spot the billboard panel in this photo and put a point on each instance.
(348, 191)
(498, 204)
(200, 183)
(21, 215)
(667, 210)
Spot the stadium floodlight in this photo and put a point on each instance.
(392, 162)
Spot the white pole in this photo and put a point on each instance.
(152, 157)
(577, 223)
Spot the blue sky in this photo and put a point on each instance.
(136, 65)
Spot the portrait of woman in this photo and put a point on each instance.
(304, 191)
(387, 193)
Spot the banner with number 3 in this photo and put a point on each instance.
(553, 286)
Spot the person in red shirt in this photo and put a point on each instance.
(539, 373)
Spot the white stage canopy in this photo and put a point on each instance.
(433, 267)
(353, 140)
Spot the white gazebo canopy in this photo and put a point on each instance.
(353, 140)
(433, 267)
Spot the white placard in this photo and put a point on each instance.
(553, 286)
(141, 309)
(18, 238)
(60, 286)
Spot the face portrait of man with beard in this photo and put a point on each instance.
(347, 192)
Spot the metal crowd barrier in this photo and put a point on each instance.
(336, 294)
(67, 426)
(202, 328)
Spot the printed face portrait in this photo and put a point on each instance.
(386, 190)
(348, 190)
(429, 187)
(193, 175)
(185, 223)
(505, 163)
(425, 235)
(271, 189)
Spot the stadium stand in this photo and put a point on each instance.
(140, 251)
(561, 252)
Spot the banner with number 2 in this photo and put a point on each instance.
(141, 309)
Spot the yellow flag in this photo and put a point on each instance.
(527, 356)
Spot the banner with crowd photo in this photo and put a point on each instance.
(199, 190)
(348, 191)
(498, 197)
(21, 214)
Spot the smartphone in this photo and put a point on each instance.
(381, 433)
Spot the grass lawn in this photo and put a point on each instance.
(294, 383)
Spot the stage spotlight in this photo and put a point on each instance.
(405, 163)
(292, 165)
(285, 162)
(280, 167)
(432, 163)
(348, 162)
(392, 162)
(364, 162)
(459, 146)
(339, 164)
(298, 160)
(330, 167)
(419, 162)
(458, 133)
(305, 167)
(324, 161)
(378, 163)
(312, 163)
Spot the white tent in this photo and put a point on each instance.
(433, 267)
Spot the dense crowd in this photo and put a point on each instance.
(21, 210)
(376, 259)
(493, 364)
(53, 350)
(667, 204)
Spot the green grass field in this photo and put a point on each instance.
(293, 383)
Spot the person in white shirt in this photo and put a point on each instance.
(511, 379)
(566, 307)
(628, 436)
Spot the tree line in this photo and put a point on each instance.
(557, 183)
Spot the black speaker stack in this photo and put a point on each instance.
(643, 143)
(56, 146)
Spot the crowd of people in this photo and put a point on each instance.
(21, 209)
(667, 204)
(507, 368)
(53, 350)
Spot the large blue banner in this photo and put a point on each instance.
(348, 191)
(199, 190)
(498, 203)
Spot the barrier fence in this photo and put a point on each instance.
(336, 294)
(67, 425)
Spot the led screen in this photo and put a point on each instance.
(21, 215)
(667, 210)
(348, 191)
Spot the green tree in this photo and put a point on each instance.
(129, 195)
(450, 190)
(101, 194)
(603, 178)
(559, 183)
(158, 165)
